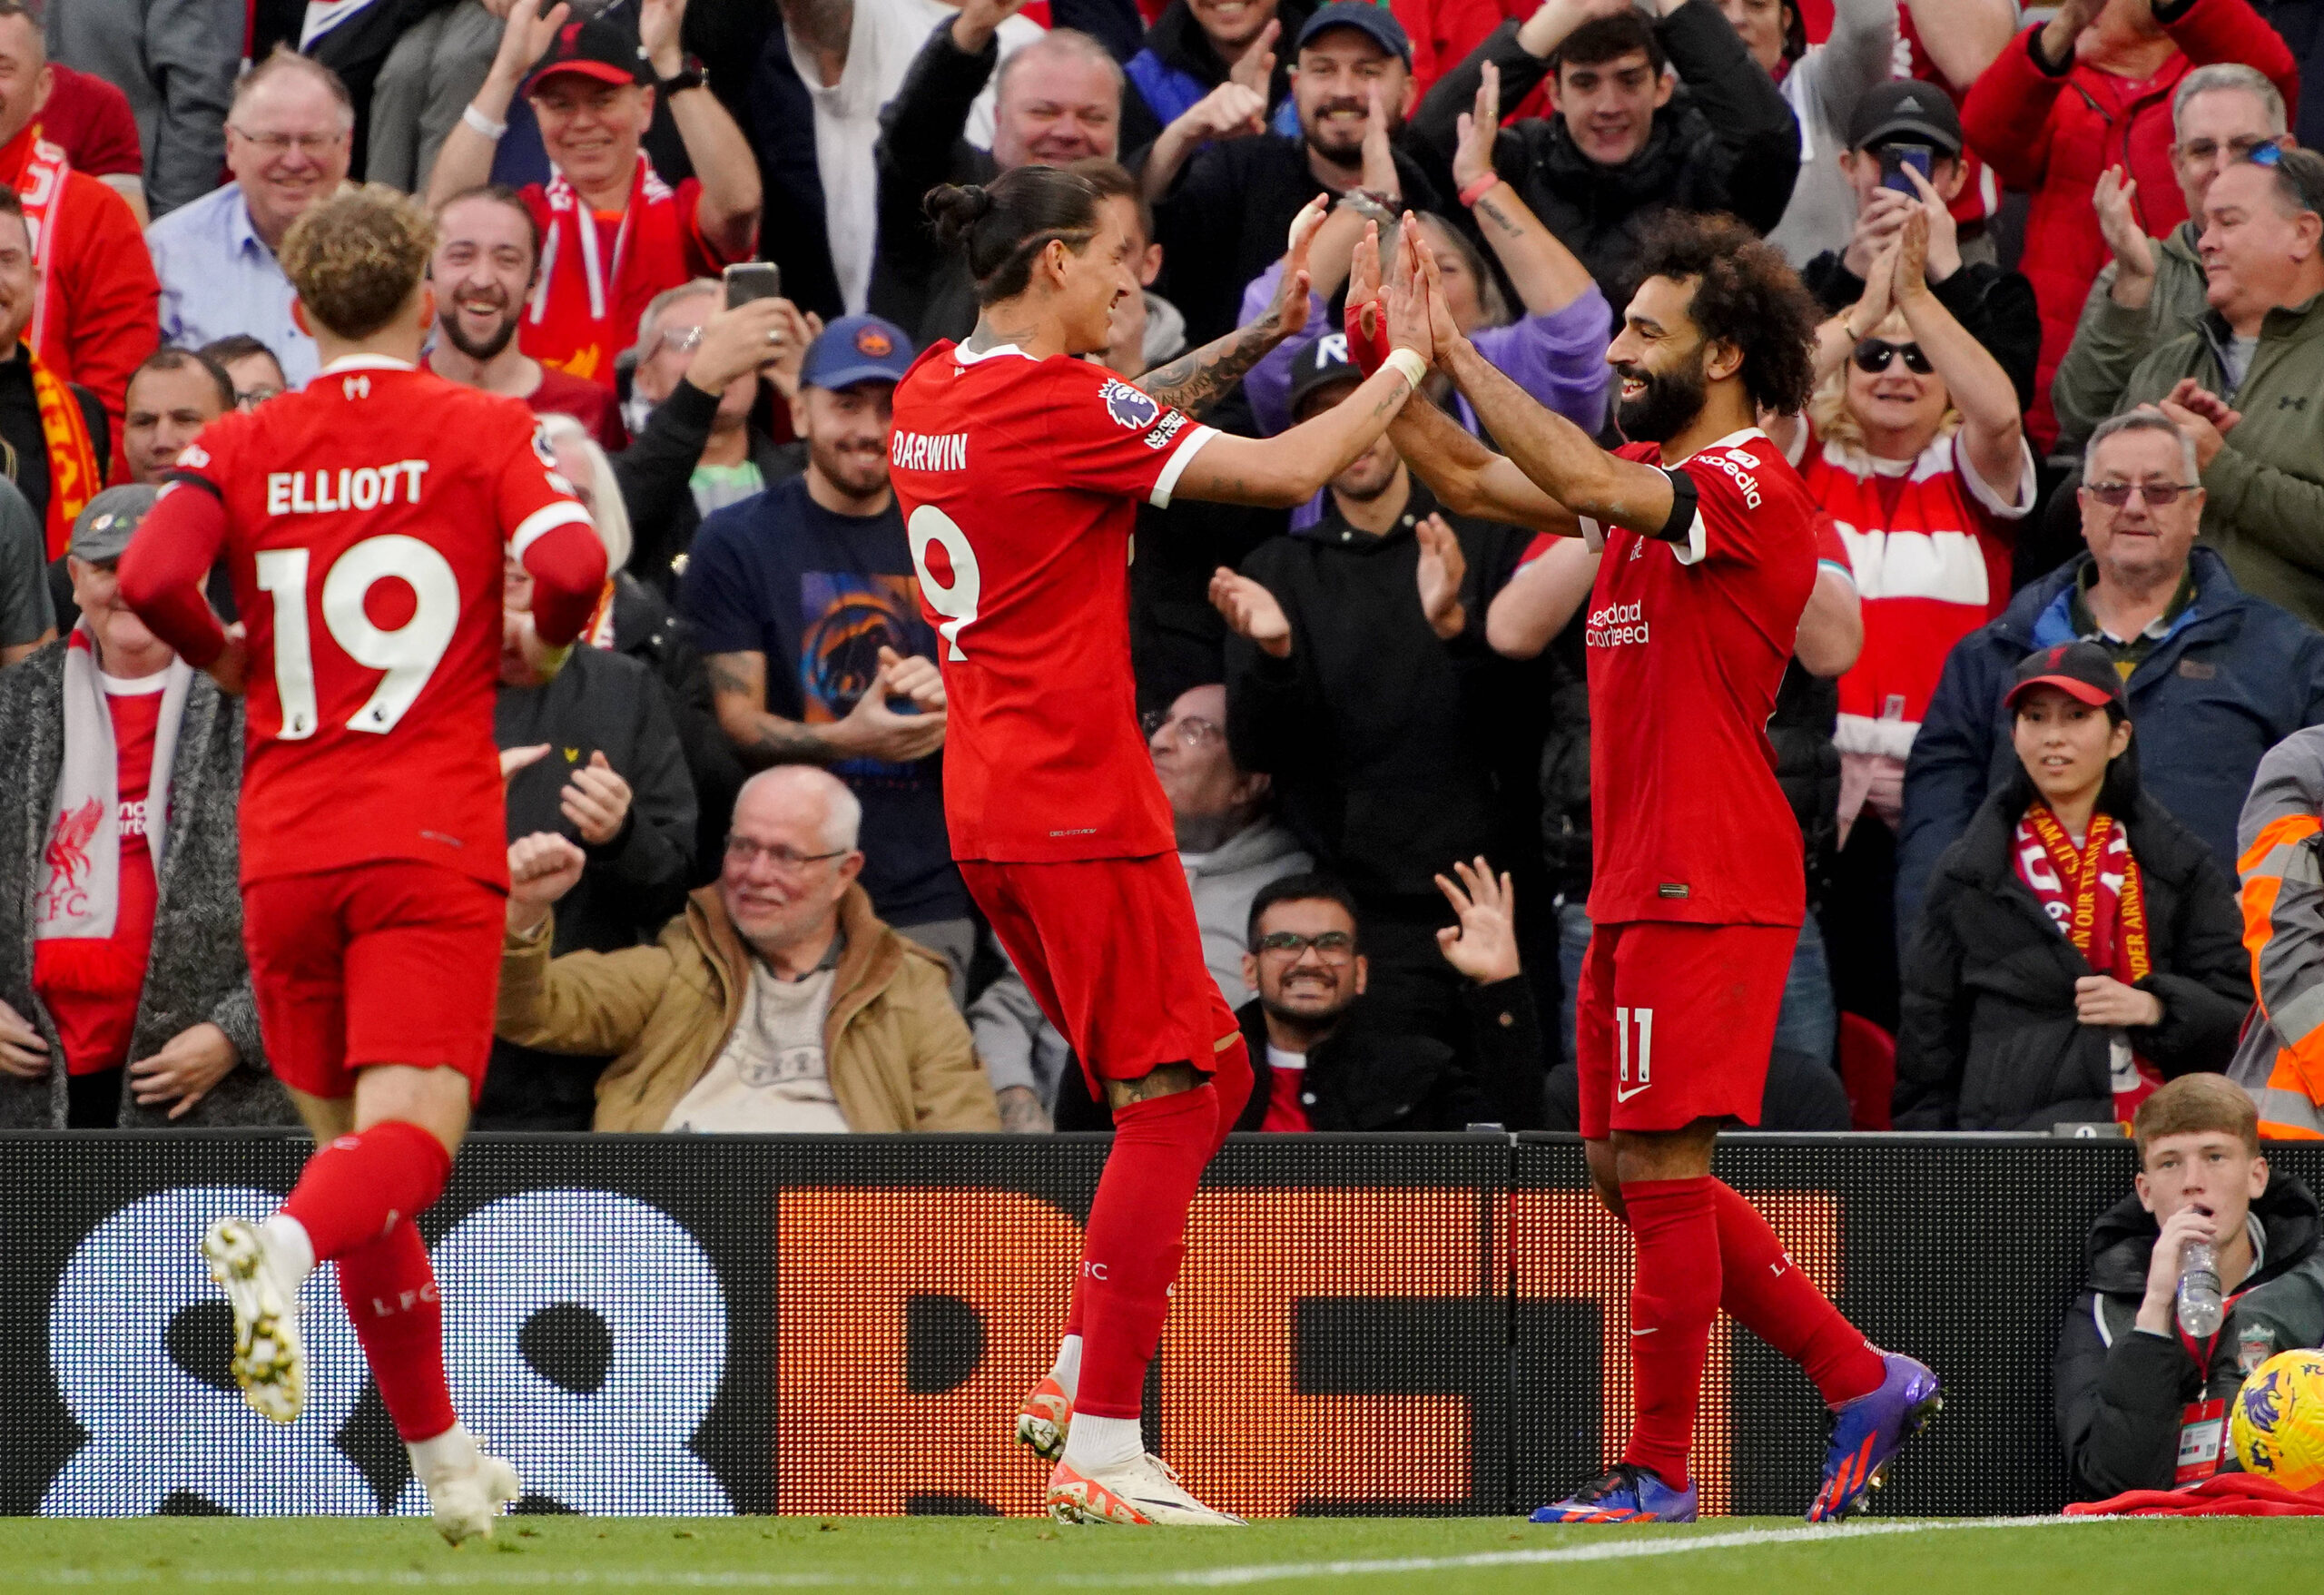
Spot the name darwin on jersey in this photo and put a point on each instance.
(919, 451)
(350, 488)
(1612, 625)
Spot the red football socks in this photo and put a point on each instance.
(390, 1296)
(1135, 1241)
(1764, 1292)
(1674, 1296)
(357, 1189)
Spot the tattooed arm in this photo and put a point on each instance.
(1200, 379)
(871, 729)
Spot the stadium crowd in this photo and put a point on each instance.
(2052, 729)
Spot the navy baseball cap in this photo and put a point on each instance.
(1375, 22)
(1319, 365)
(592, 47)
(856, 349)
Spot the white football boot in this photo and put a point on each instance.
(1143, 1492)
(270, 1355)
(468, 1491)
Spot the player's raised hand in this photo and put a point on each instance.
(1443, 569)
(514, 759)
(872, 730)
(525, 38)
(917, 678)
(22, 1053)
(188, 1065)
(1442, 329)
(597, 800)
(542, 868)
(1483, 946)
(1405, 296)
(1287, 316)
(1251, 610)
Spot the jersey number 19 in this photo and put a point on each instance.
(409, 654)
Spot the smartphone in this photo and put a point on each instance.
(753, 279)
(1893, 159)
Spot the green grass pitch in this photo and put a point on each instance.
(1757, 1556)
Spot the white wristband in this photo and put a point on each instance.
(1409, 365)
(481, 124)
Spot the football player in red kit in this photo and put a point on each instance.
(1019, 467)
(1708, 554)
(363, 521)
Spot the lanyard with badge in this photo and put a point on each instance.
(2202, 1423)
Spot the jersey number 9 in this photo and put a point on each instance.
(409, 654)
(955, 597)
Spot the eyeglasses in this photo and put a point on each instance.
(252, 397)
(311, 144)
(743, 851)
(1333, 945)
(1874, 355)
(1189, 732)
(2158, 494)
(2201, 152)
(682, 339)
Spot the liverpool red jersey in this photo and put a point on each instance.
(1687, 644)
(1019, 481)
(367, 517)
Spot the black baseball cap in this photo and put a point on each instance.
(1906, 110)
(1375, 22)
(590, 46)
(1320, 364)
(2084, 672)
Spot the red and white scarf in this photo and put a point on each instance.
(80, 895)
(41, 189)
(582, 312)
(2094, 896)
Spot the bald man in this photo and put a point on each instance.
(787, 924)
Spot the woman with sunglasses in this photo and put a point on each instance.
(1917, 450)
(2079, 945)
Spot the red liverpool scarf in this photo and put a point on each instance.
(2094, 896)
(575, 313)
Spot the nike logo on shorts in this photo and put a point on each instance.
(1625, 1096)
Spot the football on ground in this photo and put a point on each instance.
(1307, 1556)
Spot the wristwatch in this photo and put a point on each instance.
(690, 74)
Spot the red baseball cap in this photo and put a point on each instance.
(2084, 672)
(594, 48)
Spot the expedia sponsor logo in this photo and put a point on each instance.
(1737, 465)
(1615, 625)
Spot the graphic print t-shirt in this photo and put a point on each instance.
(820, 595)
(1687, 644)
(1019, 481)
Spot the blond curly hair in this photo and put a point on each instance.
(1835, 425)
(356, 257)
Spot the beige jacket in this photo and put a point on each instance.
(898, 1051)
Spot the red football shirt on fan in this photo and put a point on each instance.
(89, 119)
(600, 268)
(369, 515)
(1019, 481)
(1686, 645)
(595, 407)
(90, 987)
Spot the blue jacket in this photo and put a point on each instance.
(2235, 676)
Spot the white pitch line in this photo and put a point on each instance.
(1615, 1547)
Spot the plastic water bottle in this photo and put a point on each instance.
(2201, 1309)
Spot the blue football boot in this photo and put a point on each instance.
(1630, 1494)
(1867, 1434)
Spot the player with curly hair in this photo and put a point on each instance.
(1708, 557)
(364, 521)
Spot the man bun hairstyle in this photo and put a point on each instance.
(1001, 227)
(2193, 1105)
(356, 257)
(1747, 295)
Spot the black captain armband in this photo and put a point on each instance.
(1686, 503)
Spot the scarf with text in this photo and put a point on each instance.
(2094, 896)
(74, 477)
(80, 895)
(576, 302)
(40, 183)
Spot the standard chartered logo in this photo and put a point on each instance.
(118, 1333)
(1613, 625)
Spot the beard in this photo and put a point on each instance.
(861, 472)
(1338, 154)
(1670, 404)
(487, 349)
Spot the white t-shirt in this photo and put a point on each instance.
(886, 36)
(771, 1076)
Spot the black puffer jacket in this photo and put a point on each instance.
(2119, 1392)
(1808, 767)
(1989, 1039)
(1725, 142)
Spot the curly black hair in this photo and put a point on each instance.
(1747, 295)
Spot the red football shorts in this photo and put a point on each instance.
(1110, 949)
(391, 962)
(1674, 1022)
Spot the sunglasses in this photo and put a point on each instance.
(2158, 494)
(1873, 355)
